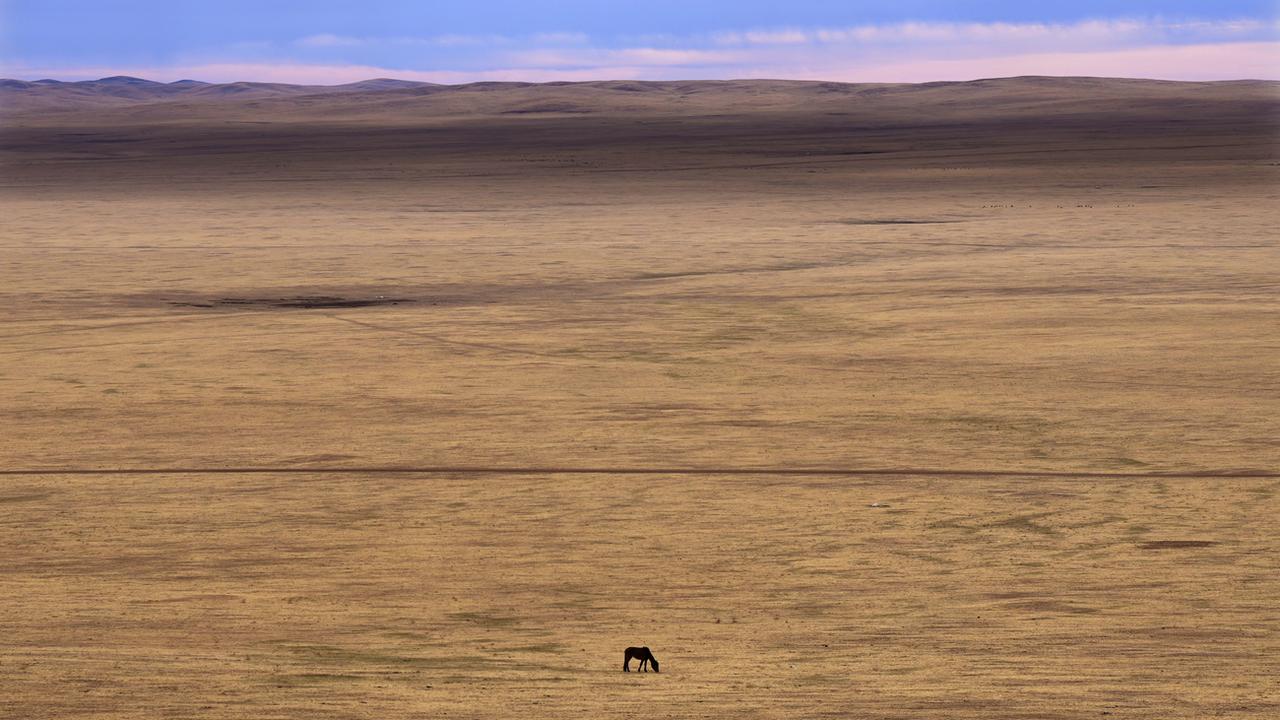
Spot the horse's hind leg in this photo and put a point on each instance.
(626, 661)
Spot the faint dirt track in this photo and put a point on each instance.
(764, 472)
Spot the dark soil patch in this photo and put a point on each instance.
(894, 221)
(27, 497)
(324, 301)
(1054, 606)
(305, 302)
(1176, 544)
(549, 107)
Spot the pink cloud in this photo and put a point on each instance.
(1113, 30)
(542, 60)
(1222, 61)
(309, 74)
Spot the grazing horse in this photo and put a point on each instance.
(643, 655)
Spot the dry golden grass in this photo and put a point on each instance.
(1023, 290)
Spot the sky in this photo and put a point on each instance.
(456, 41)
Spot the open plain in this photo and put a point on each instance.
(364, 343)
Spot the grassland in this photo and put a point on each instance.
(1047, 279)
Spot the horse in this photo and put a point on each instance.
(643, 655)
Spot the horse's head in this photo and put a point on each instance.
(654, 662)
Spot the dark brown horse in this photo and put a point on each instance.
(643, 655)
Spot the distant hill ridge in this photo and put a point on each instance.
(126, 81)
(160, 100)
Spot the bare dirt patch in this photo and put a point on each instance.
(1176, 544)
(894, 221)
(303, 302)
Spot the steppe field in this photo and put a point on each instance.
(942, 401)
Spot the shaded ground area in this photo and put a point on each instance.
(306, 302)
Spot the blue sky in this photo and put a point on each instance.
(323, 41)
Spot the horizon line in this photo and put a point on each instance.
(798, 471)
(649, 81)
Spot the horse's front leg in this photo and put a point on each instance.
(644, 664)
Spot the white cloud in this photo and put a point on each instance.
(552, 59)
(1121, 47)
(561, 38)
(326, 40)
(1219, 61)
(454, 40)
(764, 37)
(668, 56)
(1116, 30)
